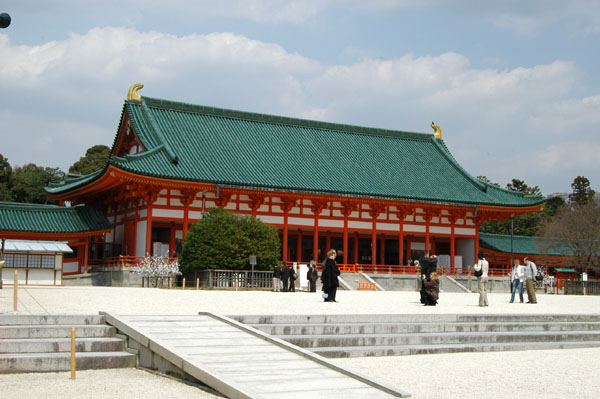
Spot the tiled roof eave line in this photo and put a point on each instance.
(475, 182)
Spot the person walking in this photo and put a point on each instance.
(482, 280)
(329, 277)
(530, 273)
(285, 275)
(432, 289)
(312, 275)
(276, 278)
(517, 276)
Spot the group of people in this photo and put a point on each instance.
(284, 277)
(523, 275)
(520, 274)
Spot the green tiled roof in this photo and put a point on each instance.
(203, 144)
(35, 218)
(524, 245)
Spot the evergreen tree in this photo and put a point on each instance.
(223, 240)
(582, 192)
(526, 225)
(94, 159)
(5, 179)
(28, 183)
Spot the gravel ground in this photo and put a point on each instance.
(566, 373)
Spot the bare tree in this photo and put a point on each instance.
(575, 232)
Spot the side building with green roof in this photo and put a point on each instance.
(380, 197)
(44, 242)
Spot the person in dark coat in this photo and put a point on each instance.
(285, 275)
(432, 289)
(329, 277)
(428, 265)
(312, 275)
(293, 276)
(276, 278)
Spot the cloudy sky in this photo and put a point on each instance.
(513, 84)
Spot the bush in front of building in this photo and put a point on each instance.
(224, 240)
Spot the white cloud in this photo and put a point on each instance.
(492, 119)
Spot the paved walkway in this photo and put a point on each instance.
(245, 363)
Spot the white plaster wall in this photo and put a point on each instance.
(465, 247)
(140, 239)
(301, 221)
(271, 219)
(40, 277)
(388, 227)
(463, 231)
(167, 213)
(331, 223)
(415, 228)
(440, 230)
(359, 225)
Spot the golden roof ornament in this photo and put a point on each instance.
(132, 94)
(437, 131)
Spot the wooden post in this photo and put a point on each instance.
(183, 284)
(16, 285)
(73, 352)
(197, 283)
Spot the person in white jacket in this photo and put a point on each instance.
(482, 280)
(517, 276)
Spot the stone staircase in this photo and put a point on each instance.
(31, 343)
(394, 335)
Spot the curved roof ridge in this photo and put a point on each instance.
(160, 137)
(281, 120)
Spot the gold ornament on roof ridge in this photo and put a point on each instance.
(132, 94)
(437, 131)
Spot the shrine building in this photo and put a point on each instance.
(380, 197)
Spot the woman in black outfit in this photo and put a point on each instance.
(329, 277)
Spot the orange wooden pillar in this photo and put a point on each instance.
(345, 239)
(356, 248)
(316, 241)
(285, 238)
(86, 254)
(401, 245)
(374, 243)
(299, 247)
(452, 250)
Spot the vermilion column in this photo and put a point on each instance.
(285, 237)
(401, 244)
(356, 248)
(299, 247)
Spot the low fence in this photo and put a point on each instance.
(235, 279)
(579, 287)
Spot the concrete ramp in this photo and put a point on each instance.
(240, 361)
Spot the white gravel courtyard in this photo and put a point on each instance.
(542, 374)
